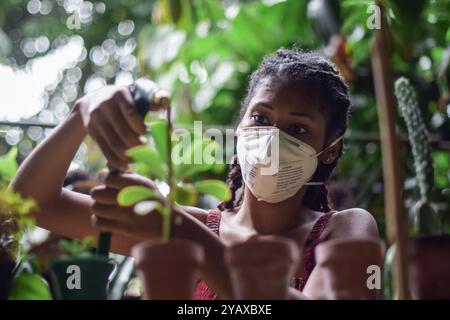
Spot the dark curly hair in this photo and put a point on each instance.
(311, 70)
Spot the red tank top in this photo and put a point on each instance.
(203, 292)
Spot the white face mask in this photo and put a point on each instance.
(274, 164)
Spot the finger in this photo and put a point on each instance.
(110, 136)
(121, 180)
(122, 129)
(107, 225)
(129, 112)
(101, 176)
(112, 212)
(104, 195)
(112, 158)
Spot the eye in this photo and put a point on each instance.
(297, 129)
(259, 119)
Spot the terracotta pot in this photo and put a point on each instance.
(347, 271)
(94, 273)
(261, 269)
(168, 271)
(429, 267)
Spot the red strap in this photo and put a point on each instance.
(311, 243)
(213, 220)
(203, 292)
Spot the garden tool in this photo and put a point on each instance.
(147, 96)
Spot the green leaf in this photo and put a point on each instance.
(133, 194)
(87, 243)
(185, 195)
(76, 247)
(145, 207)
(8, 164)
(149, 160)
(215, 188)
(198, 147)
(159, 132)
(29, 286)
(67, 246)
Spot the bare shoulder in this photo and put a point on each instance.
(198, 213)
(354, 222)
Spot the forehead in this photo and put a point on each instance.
(282, 94)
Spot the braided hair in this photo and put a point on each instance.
(319, 75)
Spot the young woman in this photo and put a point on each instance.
(299, 93)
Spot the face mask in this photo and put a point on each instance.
(274, 164)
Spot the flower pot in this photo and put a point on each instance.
(352, 268)
(6, 274)
(81, 277)
(429, 267)
(168, 271)
(261, 269)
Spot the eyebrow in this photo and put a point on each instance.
(302, 114)
(294, 113)
(264, 104)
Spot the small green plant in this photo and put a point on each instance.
(157, 163)
(77, 247)
(15, 210)
(424, 211)
(15, 220)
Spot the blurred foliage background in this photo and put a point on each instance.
(203, 51)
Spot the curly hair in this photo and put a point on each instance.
(321, 78)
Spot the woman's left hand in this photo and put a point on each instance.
(109, 216)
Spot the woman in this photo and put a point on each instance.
(298, 93)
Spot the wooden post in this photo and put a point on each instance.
(396, 220)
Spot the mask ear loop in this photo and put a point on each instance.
(318, 183)
(326, 148)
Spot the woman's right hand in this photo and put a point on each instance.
(110, 118)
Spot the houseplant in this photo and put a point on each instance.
(429, 247)
(168, 267)
(18, 278)
(81, 274)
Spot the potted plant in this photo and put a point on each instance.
(262, 267)
(18, 277)
(429, 247)
(80, 274)
(168, 268)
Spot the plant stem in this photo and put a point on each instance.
(167, 217)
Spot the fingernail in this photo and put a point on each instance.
(143, 139)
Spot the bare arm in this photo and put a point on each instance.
(41, 176)
(351, 223)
